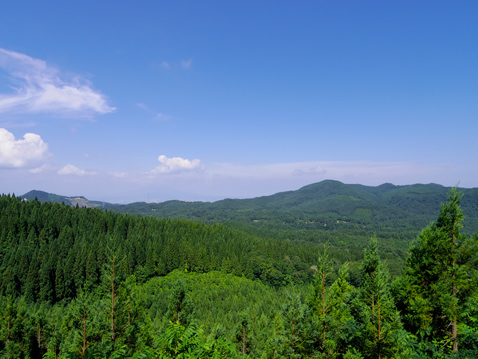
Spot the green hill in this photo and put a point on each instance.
(72, 201)
(343, 215)
(326, 207)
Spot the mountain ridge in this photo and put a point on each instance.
(315, 206)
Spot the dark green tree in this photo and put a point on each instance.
(111, 280)
(439, 275)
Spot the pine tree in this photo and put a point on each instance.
(439, 276)
(330, 307)
(341, 293)
(319, 299)
(243, 334)
(380, 321)
(82, 322)
(297, 328)
(111, 282)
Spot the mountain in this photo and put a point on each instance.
(343, 215)
(72, 201)
(324, 204)
(327, 211)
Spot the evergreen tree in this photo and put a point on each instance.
(341, 293)
(244, 334)
(297, 328)
(330, 308)
(439, 276)
(111, 282)
(378, 318)
(179, 303)
(82, 323)
(319, 301)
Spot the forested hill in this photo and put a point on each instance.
(322, 204)
(85, 283)
(324, 211)
(345, 215)
(72, 201)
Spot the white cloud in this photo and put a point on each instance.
(21, 153)
(186, 64)
(38, 87)
(120, 174)
(73, 170)
(176, 165)
(43, 168)
(165, 65)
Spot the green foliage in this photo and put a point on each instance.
(329, 211)
(439, 279)
(379, 321)
(82, 283)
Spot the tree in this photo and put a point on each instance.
(82, 323)
(297, 328)
(439, 276)
(243, 334)
(380, 321)
(319, 301)
(111, 282)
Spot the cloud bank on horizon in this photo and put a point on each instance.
(40, 88)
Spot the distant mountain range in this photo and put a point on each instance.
(327, 205)
(72, 201)
(343, 215)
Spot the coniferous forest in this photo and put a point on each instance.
(86, 283)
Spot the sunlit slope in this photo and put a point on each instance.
(324, 205)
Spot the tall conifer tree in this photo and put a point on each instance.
(439, 275)
(380, 320)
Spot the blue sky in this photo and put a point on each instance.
(200, 100)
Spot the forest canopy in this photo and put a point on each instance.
(86, 283)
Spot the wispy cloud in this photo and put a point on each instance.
(43, 168)
(186, 64)
(69, 169)
(28, 152)
(182, 64)
(143, 106)
(165, 65)
(176, 165)
(347, 171)
(157, 117)
(38, 87)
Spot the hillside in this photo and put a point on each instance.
(96, 284)
(345, 215)
(72, 201)
(325, 211)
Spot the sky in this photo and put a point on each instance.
(126, 101)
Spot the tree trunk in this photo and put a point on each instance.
(83, 348)
(243, 340)
(113, 301)
(379, 332)
(454, 327)
(323, 308)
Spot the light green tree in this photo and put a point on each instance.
(380, 323)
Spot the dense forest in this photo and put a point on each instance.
(328, 208)
(343, 215)
(86, 283)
